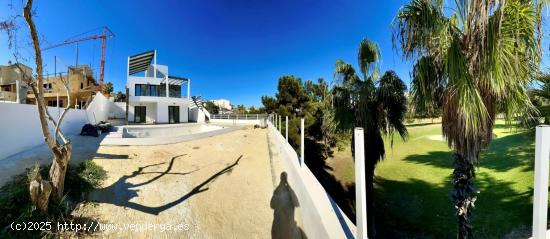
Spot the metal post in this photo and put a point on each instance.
(286, 128)
(540, 197)
(302, 141)
(188, 88)
(279, 124)
(360, 194)
(166, 87)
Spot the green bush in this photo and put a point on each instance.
(15, 204)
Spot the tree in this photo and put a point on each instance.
(483, 56)
(211, 107)
(376, 105)
(108, 88)
(270, 104)
(120, 97)
(41, 189)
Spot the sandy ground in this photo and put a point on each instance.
(225, 186)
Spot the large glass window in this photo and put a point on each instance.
(146, 90)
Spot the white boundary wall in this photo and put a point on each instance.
(99, 109)
(20, 126)
(321, 216)
(117, 110)
(237, 122)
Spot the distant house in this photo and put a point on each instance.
(82, 88)
(155, 96)
(223, 105)
(13, 88)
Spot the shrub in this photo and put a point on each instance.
(15, 204)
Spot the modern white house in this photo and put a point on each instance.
(155, 96)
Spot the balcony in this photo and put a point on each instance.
(8, 96)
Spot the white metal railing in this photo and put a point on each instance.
(239, 116)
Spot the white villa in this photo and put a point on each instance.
(155, 96)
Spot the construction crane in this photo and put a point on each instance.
(106, 33)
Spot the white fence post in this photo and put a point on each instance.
(360, 194)
(280, 124)
(286, 128)
(540, 197)
(302, 141)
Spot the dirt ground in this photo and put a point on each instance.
(216, 187)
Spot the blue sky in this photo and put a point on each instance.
(230, 49)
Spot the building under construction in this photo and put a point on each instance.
(81, 83)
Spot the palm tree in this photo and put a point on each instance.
(483, 55)
(376, 105)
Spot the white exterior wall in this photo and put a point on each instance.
(156, 106)
(321, 217)
(118, 110)
(21, 126)
(99, 109)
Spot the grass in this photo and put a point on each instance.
(413, 185)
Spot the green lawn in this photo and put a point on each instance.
(413, 186)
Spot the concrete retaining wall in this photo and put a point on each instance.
(321, 217)
(21, 126)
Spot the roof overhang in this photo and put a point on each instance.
(139, 62)
(175, 80)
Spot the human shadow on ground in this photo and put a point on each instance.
(121, 192)
(503, 154)
(283, 202)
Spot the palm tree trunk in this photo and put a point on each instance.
(369, 172)
(463, 194)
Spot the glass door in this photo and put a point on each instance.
(173, 114)
(139, 114)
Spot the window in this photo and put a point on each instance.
(146, 90)
(81, 85)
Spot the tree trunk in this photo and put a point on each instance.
(371, 229)
(463, 194)
(40, 191)
(58, 171)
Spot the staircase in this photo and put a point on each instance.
(197, 102)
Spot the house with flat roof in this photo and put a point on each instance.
(155, 96)
(12, 85)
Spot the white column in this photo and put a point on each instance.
(188, 88)
(360, 194)
(286, 128)
(302, 141)
(17, 85)
(540, 197)
(246, 116)
(167, 87)
(155, 66)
